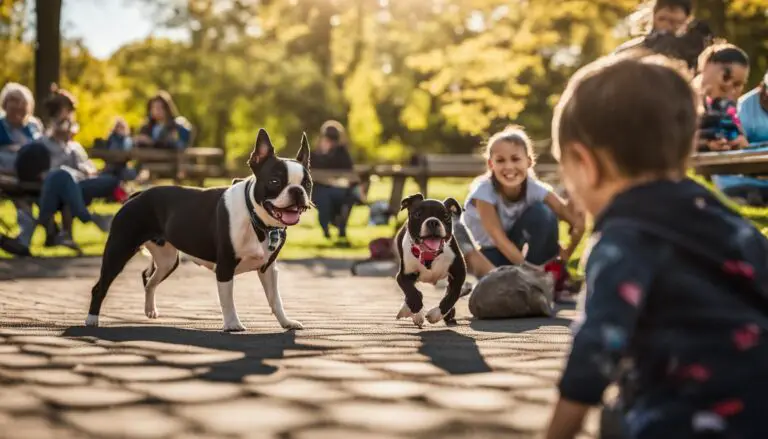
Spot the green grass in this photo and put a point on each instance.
(306, 240)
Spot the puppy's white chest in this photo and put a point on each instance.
(437, 270)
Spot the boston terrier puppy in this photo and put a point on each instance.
(428, 253)
(230, 230)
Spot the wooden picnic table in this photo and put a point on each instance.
(195, 163)
(751, 161)
(453, 166)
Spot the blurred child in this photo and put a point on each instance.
(677, 283)
(120, 140)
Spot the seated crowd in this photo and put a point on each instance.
(53, 170)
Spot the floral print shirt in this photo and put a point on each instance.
(676, 313)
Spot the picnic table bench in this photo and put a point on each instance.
(192, 164)
(427, 167)
(749, 161)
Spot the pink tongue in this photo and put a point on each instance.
(289, 217)
(432, 243)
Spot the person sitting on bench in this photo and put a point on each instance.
(164, 129)
(73, 181)
(333, 202)
(17, 128)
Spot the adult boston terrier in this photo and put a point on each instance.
(230, 230)
(428, 253)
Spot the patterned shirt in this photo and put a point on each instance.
(676, 313)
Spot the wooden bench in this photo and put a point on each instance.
(11, 189)
(192, 164)
(753, 161)
(442, 165)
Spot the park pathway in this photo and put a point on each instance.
(354, 372)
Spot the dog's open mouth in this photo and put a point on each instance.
(432, 243)
(289, 216)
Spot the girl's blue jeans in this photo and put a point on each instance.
(537, 227)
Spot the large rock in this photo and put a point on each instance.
(513, 291)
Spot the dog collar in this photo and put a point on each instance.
(426, 257)
(276, 235)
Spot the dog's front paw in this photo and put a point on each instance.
(92, 320)
(234, 326)
(151, 311)
(434, 315)
(418, 318)
(291, 324)
(404, 312)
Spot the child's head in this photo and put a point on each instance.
(619, 123)
(724, 71)
(120, 127)
(670, 15)
(510, 156)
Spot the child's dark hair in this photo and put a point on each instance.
(58, 100)
(685, 5)
(723, 53)
(642, 114)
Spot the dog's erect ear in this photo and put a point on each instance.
(303, 155)
(410, 201)
(262, 150)
(452, 205)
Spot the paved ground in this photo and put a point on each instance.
(354, 372)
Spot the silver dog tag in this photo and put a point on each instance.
(274, 239)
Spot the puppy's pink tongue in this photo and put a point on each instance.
(432, 243)
(290, 217)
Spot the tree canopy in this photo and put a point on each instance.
(404, 76)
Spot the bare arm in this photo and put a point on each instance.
(492, 225)
(568, 214)
(569, 418)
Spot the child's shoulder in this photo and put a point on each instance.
(482, 189)
(482, 183)
(623, 242)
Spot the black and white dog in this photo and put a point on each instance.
(428, 253)
(230, 230)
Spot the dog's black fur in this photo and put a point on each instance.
(429, 219)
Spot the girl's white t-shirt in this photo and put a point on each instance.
(509, 211)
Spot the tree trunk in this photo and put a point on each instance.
(714, 12)
(48, 48)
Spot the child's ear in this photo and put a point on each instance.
(591, 164)
(410, 201)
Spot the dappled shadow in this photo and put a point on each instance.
(255, 347)
(453, 352)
